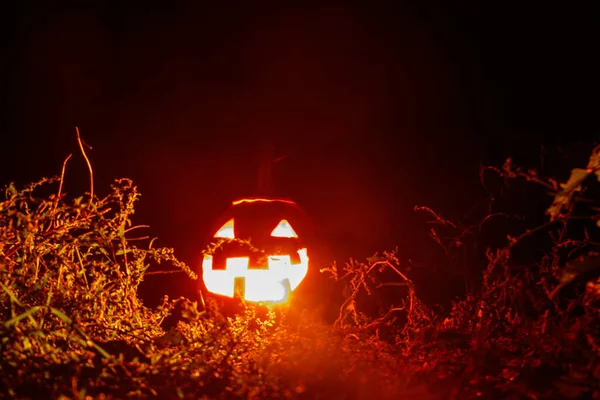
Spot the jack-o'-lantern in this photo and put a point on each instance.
(260, 254)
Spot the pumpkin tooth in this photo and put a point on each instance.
(237, 271)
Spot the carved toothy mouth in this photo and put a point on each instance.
(270, 284)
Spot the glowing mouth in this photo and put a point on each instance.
(259, 285)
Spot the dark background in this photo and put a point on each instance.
(376, 109)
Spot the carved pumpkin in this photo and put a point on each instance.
(261, 256)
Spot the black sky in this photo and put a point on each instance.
(375, 108)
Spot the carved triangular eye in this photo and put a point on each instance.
(284, 229)
(226, 231)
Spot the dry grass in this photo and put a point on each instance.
(73, 325)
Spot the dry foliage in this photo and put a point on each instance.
(72, 325)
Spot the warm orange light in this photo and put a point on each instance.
(272, 282)
(284, 229)
(258, 199)
(226, 231)
(260, 285)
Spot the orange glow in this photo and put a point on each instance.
(284, 229)
(260, 285)
(226, 231)
(258, 199)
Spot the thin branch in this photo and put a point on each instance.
(512, 241)
(136, 227)
(529, 176)
(202, 300)
(138, 238)
(436, 216)
(490, 216)
(433, 234)
(87, 160)
(163, 272)
(62, 177)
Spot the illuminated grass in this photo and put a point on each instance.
(72, 324)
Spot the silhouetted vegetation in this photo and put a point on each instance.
(73, 325)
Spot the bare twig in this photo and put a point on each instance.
(138, 238)
(62, 177)
(136, 227)
(436, 216)
(433, 234)
(530, 176)
(87, 160)
(514, 240)
(163, 272)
